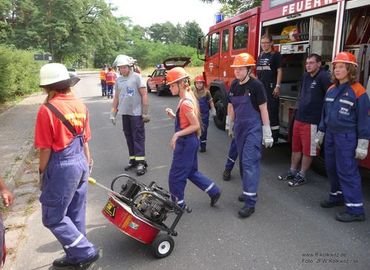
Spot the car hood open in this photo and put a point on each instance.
(176, 62)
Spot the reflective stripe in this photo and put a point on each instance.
(204, 141)
(329, 99)
(275, 127)
(233, 161)
(346, 102)
(263, 68)
(313, 148)
(209, 188)
(131, 157)
(336, 193)
(354, 204)
(180, 202)
(139, 158)
(75, 242)
(249, 194)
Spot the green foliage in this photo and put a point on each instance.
(18, 73)
(232, 7)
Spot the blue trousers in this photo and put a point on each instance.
(63, 201)
(185, 166)
(342, 170)
(232, 156)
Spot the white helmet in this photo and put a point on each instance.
(53, 73)
(123, 60)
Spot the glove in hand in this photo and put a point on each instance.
(362, 147)
(267, 139)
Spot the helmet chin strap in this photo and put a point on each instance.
(247, 77)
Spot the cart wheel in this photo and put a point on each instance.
(162, 245)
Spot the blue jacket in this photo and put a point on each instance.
(311, 98)
(346, 109)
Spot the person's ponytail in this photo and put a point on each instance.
(196, 105)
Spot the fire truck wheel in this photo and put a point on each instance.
(162, 245)
(221, 109)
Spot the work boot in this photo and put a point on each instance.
(348, 217)
(226, 175)
(62, 263)
(202, 148)
(241, 198)
(141, 168)
(246, 212)
(329, 204)
(215, 198)
(131, 165)
(187, 208)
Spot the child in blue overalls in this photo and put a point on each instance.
(247, 109)
(205, 105)
(345, 124)
(185, 142)
(62, 132)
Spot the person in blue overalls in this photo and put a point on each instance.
(345, 125)
(249, 121)
(205, 105)
(185, 142)
(62, 132)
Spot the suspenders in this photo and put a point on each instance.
(61, 117)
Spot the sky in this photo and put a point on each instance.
(148, 12)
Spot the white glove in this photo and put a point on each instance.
(319, 138)
(267, 139)
(361, 150)
(213, 112)
(112, 117)
(227, 125)
(146, 118)
(170, 113)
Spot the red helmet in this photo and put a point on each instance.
(243, 60)
(345, 57)
(176, 74)
(199, 78)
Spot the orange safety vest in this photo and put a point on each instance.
(103, 75)
(111, 77)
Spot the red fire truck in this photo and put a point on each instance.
(298, 27)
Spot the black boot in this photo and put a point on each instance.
(141, 168)
(226, 175)
(215, 198)
(246, 212)
(131, 165)
(202, 148)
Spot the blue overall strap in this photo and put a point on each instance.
(61, 117)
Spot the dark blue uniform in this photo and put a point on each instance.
(267, 66)
(245, 100)
(185, 166)
(345, 119)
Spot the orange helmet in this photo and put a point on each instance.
(176, 74)
(199, 78)
(345, 57)
(243, 60)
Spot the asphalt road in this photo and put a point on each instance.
(288, 230)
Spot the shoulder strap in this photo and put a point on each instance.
(61, 117)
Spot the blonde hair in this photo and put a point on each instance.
(195, 102)
(51, 93)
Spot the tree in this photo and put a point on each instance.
(233, 7)
(191, 32)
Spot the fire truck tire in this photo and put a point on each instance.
(318, 164)
(162, 245)
(221, 110)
